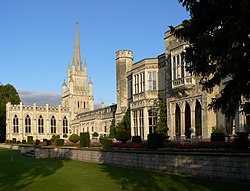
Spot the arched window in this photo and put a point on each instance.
(40, 125)
(27, 124)
(65, 125)
(15, 124)
(84, 104)
(53, 124)
(78, 104)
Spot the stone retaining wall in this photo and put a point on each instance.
(227, 166)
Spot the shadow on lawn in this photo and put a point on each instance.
(17, 171)
(140, 180)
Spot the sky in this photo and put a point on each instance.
(37, 41)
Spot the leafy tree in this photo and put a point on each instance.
(7, 94)
(219, 37)
(162, 119)
(125, 123)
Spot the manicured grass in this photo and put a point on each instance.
(23, 173)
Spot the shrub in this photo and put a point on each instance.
(7, 141)
(54, 137)
(217, 137)
(59, 142)
(136, 139)
(217, 134)
(95, 134)
(106, 142)
(14, 140)
(123, 135)
(37, 142)
(155, 140)
(84, 139)
(65, 136)
(23, 141)
(74, 138)
(18, 142)
(241, 141)
(30, 140)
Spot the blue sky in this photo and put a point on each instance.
(37, 40)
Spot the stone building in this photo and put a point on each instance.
(139, 86)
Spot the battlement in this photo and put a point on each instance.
(124, 54)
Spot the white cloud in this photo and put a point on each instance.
(40, 98)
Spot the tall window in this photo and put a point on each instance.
(141, 124)
(53, 124)
(135, 123)
(27, 124)
(15, 124)
(105, 129)
(65, 126)
(174, 68)
(182, 66)
(152, 80)
(40, 125)
(152, 121)
(142, 82)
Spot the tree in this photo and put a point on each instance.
(218, 34)
(162, 119)
(125, 123)
(7, 94)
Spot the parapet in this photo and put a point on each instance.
(124, 54)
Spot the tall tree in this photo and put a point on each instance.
(162, 118)
(7, 94)
(219, 37)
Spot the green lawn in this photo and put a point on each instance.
(24, 173)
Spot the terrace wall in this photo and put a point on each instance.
(227, 166)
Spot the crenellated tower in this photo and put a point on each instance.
(124, 61)
(77, 96)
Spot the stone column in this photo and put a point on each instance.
(145, 122)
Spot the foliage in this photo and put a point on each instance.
(112, 131)
(24, 142)
(162, 119)
(65, 136)
(54, 137)
(37, 142)
(95, 134)
(14, 140)
(7, 94)
(84, 139)
(155, 140)
(30, 140)
(59, 142)
(128, 145)
(241, 141)
(123, 135)
(106, 142)
(125, 123)
(219, 48)
(74, 138)
(136, 139)
(219, 129)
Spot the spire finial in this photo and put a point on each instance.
(76, 19)
(77, 56)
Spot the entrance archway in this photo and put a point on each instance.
(187, 121)
(177, 120)
(198, 122)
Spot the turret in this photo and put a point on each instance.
(64, 86)
(71, 86)
(90, 85)
(124, 60)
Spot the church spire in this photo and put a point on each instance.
(77, 55)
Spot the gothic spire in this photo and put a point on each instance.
(77, 56)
